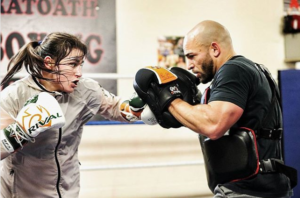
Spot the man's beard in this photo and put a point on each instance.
(207, 67)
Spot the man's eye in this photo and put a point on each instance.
(190, 56)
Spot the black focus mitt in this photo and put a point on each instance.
(158, 87)
(188, 83)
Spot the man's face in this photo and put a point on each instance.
(199, 61)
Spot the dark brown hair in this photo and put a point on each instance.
(57, 45)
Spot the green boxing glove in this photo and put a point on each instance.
(135, 109)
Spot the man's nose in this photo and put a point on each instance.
(190, 65)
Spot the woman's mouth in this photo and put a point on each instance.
(75, 82)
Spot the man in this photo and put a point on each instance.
(240, 96)
(240, 107)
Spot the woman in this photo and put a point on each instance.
(49, 167)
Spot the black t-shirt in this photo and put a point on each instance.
(240, 82)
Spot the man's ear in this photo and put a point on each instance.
(48, 62)
(215, 49)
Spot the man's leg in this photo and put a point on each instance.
(222, 192)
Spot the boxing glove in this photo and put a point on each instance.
(158, 87)
(39, 113)
(132, 108)
(148, 117)
(188, 83)
(135, 109)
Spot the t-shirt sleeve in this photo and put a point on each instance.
(232, 84)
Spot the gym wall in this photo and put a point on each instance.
(255, 27)
(138, 161)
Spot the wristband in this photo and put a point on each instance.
(6, 142)
(12, 138)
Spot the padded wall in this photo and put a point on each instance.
(289, 82)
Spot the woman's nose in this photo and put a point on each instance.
(78, 71)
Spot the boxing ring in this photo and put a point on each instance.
(114, 76)
(128, 160)
(119, 159)
(138, 160)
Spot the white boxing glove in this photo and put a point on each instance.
(148, 117)
(136, 109)
(40, 113)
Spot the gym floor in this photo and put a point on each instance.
(139, 161)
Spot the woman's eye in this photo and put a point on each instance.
(73, 64)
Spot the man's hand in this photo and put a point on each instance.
(161, 82)
(188, 83)
(158, 87)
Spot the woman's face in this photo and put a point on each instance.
(70, 71)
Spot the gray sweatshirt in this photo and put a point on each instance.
(50, 166)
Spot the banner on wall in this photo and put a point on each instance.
(94, 21)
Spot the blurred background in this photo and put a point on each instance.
(135, 160)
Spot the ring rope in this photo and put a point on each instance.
(136, 166)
